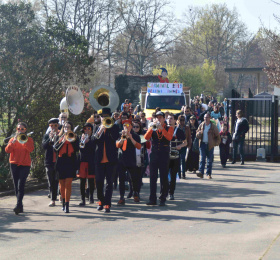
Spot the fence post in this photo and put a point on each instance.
(272, 128)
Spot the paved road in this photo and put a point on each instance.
(233, 216)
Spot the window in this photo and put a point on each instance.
(165, 102)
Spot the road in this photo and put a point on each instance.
(233, 216)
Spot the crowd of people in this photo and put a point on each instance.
(124, 147)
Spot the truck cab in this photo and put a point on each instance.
(168, 96)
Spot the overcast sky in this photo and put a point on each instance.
(252, 12)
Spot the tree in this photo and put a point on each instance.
(36, 63)
(145, 36)
(211, 33)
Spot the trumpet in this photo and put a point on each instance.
(53, 137)
(83, 141)
(155, 126)
(124, 135)
(21, 138)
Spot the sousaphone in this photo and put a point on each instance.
(75, 100)
(64, 106)
(104, 96)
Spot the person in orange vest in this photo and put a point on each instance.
(20, 162)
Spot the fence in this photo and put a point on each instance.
(262, 115)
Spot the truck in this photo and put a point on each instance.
(168, 96)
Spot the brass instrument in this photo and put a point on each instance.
(104, 96)
(83, 142)
(21, 138)
(69, 136)
(108, 122)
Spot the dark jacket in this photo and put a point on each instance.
(48, 147)
(227, 137)
(242, 129)
(128, 157)
(109, 137)
(66, 166)
(86, 154)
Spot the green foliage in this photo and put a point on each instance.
(36, 63)
(199, 79)
(172, 70)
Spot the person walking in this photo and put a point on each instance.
(20, 162)
(209, 137)
(192, 162)
(224, 145)
(241, 127)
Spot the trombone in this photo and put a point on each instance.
(107, 122)
(69, 136)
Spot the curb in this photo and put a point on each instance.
(27, 189)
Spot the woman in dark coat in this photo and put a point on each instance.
(86, 163)
(66, 164)
(192, 162)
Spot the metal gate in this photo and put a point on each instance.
(262, 115)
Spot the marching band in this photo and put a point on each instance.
(110, 145)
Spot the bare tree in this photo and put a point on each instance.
(145, 35)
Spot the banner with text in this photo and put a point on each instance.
(165, 88)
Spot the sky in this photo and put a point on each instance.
(253, 13)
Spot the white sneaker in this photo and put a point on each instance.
(52, 203)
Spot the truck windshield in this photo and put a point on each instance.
(165, 102)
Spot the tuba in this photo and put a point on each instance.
(104, 96)
(75, 100)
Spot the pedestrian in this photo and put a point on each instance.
(192, 162)
(241, 127)
(224, 145)
(20, 162)
(66, 163)
(209, 137)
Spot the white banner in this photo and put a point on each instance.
(166, 88)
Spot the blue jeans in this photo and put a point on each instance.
(182, 168)
(239, 143)
(205, 153)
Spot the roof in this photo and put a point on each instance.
(245, 70)
(263, 94)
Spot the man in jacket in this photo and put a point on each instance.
(209, 137)
(241, 127)
(106, 158)
(50, 159)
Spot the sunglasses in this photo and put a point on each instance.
(21, 128)
(87, 128)
(126, 124)
(63, 117)
(96, 116)
(142, 116)
(136, 126)
(67, 127)
(51, 125)
(182, 120)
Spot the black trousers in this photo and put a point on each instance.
(52, 181)
(105, 170)
(90, 186)
(20, 174)
(224, 153)
(174, 167)
(135, 176)
(159, 161)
